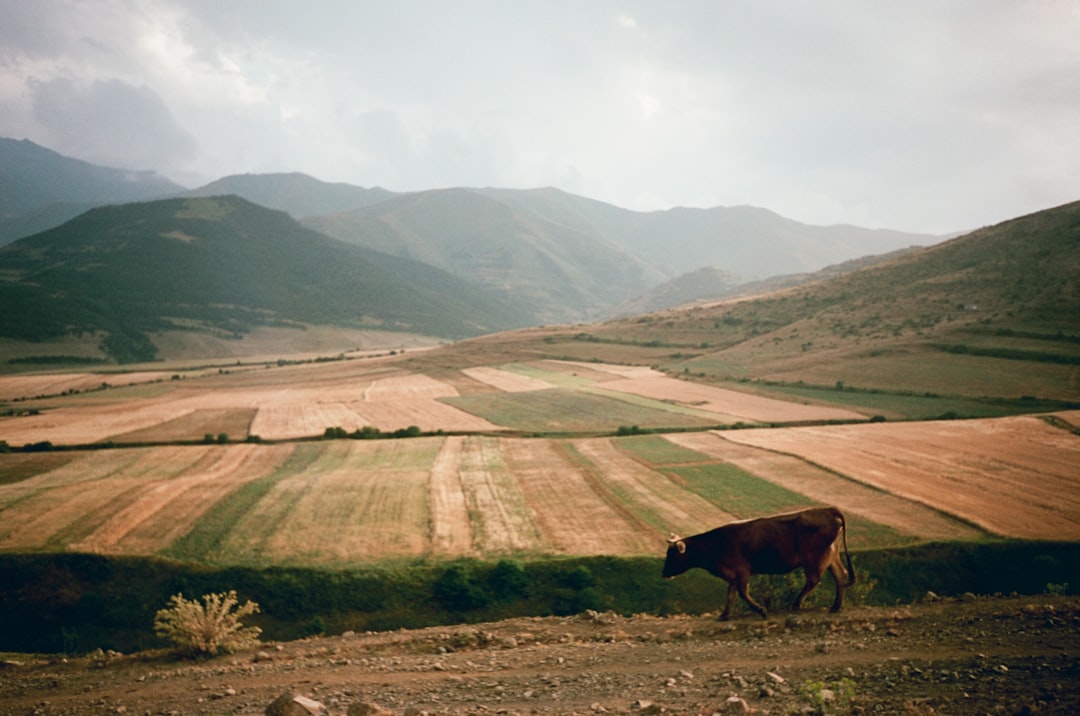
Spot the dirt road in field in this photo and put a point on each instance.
(988, 655)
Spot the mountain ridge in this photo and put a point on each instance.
(221, 264)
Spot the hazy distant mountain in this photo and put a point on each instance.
(566, 273)
(750, 242)
(223, 265)
(295, 193)
(1009, 291)
(40, 189)
(712, 284)
(571, 259)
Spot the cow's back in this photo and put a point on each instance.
(781, 543)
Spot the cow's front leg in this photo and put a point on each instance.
(742, 582)
(731, 591)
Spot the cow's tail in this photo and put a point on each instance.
(850, 565)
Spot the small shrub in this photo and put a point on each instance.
(211, 627)
(825, 698)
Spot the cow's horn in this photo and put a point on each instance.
(673, 538)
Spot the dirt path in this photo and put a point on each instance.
(976, 656)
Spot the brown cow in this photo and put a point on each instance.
(779, 544)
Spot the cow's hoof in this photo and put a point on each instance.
(724, 617)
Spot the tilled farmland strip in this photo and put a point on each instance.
(983, 471)
(370, 501)
(66, 505)
(660, 502)
(502, 521)
(170, 509)
(572, 516)
(451, 528)
(826, 487)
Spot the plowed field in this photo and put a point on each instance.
(476, 494)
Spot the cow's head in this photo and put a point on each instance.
(676, 562)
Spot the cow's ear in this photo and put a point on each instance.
(681, 546)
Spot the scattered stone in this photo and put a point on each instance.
(776, 678)
(736, 705)
(295, 705)
(368, 708)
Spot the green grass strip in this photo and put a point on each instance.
(737, 491)
(208, 534)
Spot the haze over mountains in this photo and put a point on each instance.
(507, 258)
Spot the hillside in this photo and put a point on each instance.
(567, 274)
(222, 265)
(987, 312)
(40, 189)
(581, 260)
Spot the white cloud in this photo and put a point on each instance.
(931, 117)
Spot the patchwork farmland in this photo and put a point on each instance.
(527, 459)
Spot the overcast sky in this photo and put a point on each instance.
(929, 116)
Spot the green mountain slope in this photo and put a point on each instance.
(221, 264)
(995, 312)
(567, 274)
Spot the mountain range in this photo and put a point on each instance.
(510, 257)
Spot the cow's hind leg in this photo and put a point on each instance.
(813, 578)
(840, 576)
(742, 583)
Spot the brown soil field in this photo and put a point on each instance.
(654, 499)
(479, 495)
(743, 406)
(360, 501)
(504, 380)
(985, 655)
(19, 387)
(1015, 477)
(854, 498)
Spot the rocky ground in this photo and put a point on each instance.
(986, 655)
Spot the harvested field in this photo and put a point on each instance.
(110, 500)
(226, 405)
(151, 518)
(348, 501)
(505, 380)
(20, 387)
(501, 519)
(1015, 477)
(358, 501)
(567, 508)
(826, 487)
(727, 403)
(652, 497)
(195, 425)
(451, 526)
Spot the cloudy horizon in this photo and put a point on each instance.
(930, 116)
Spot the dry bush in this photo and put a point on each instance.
(211, 627)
